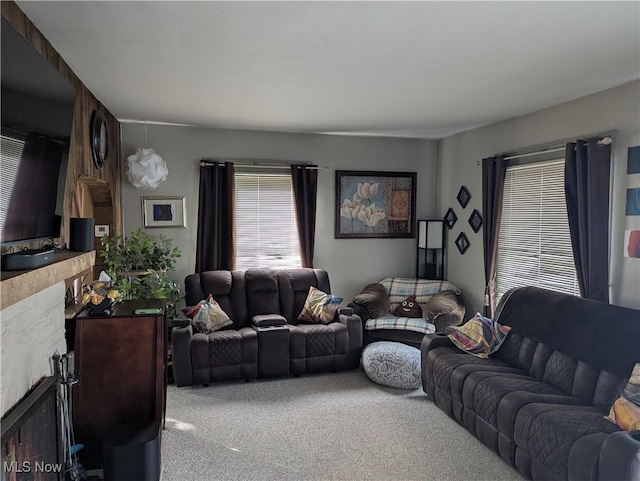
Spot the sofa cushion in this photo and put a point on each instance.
(547, 432)
(262, 292)
(323, 340)
(448, 367)
(484, 390)
(320, 307)
(479, 336)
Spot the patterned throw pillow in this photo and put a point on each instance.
(207, 316)
(479, 336)
(320, 307)
(625, 411)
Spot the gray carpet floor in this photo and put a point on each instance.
(337, 426)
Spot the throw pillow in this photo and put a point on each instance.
(479, 336)
(444, 309)
(320, 307)
(408, 308)
(207, 316)
(374, 299)
(625, 411)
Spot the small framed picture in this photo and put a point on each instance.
(163, 212)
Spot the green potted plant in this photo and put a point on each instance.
(139, 266)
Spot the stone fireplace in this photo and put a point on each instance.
(32, 323)
(32, 332)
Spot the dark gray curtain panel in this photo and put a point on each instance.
(587, 174)
(305, 189)
(493, 174)
(216, 243)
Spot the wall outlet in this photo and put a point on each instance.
(102, 230)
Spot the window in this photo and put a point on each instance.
(11, 155)
(266, 227)
(534, 245)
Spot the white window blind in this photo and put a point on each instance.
(266, 228)
(534, 245)
(10, 156)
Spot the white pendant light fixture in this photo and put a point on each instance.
(146, 169)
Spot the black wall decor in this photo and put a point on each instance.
(475, 220)
(463, 196)
(462, 243)
(450, 218)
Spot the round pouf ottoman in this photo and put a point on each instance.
(392, 364)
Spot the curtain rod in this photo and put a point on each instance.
(255, 165)
(606, 139)
(531, 154)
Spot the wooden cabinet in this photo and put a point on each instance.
(121, 360)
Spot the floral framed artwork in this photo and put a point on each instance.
(163, 212)
(375, 204)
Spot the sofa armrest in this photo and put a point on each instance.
(347, 311)
(433, 340)
(620, 456)
(354, 328)
(361, 311)
(371, 302)
(181, 355)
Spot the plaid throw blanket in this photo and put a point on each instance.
(390, 321)
(399, 288)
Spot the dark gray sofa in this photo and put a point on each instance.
(540, 401)
(266, 338)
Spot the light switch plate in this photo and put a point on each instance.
(102, 230)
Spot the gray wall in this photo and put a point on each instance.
(458, 156)
(351, 263)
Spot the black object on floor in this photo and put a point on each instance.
(132, 452)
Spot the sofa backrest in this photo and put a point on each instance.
(228, 289)
(294, 287)
(243, 294)
(582, 347)
(399, 288)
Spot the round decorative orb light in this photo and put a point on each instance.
(146, 169)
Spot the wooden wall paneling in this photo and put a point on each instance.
(15, 16)
(80, 167)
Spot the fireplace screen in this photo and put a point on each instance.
(30, 437)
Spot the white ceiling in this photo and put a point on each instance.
(411, 69)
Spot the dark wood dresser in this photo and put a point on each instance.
(121, 361)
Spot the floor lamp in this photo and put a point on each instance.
(430, 252)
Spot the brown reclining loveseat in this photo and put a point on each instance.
(266, 338)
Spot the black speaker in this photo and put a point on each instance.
(81, 234)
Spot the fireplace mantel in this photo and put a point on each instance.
(19, 285)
